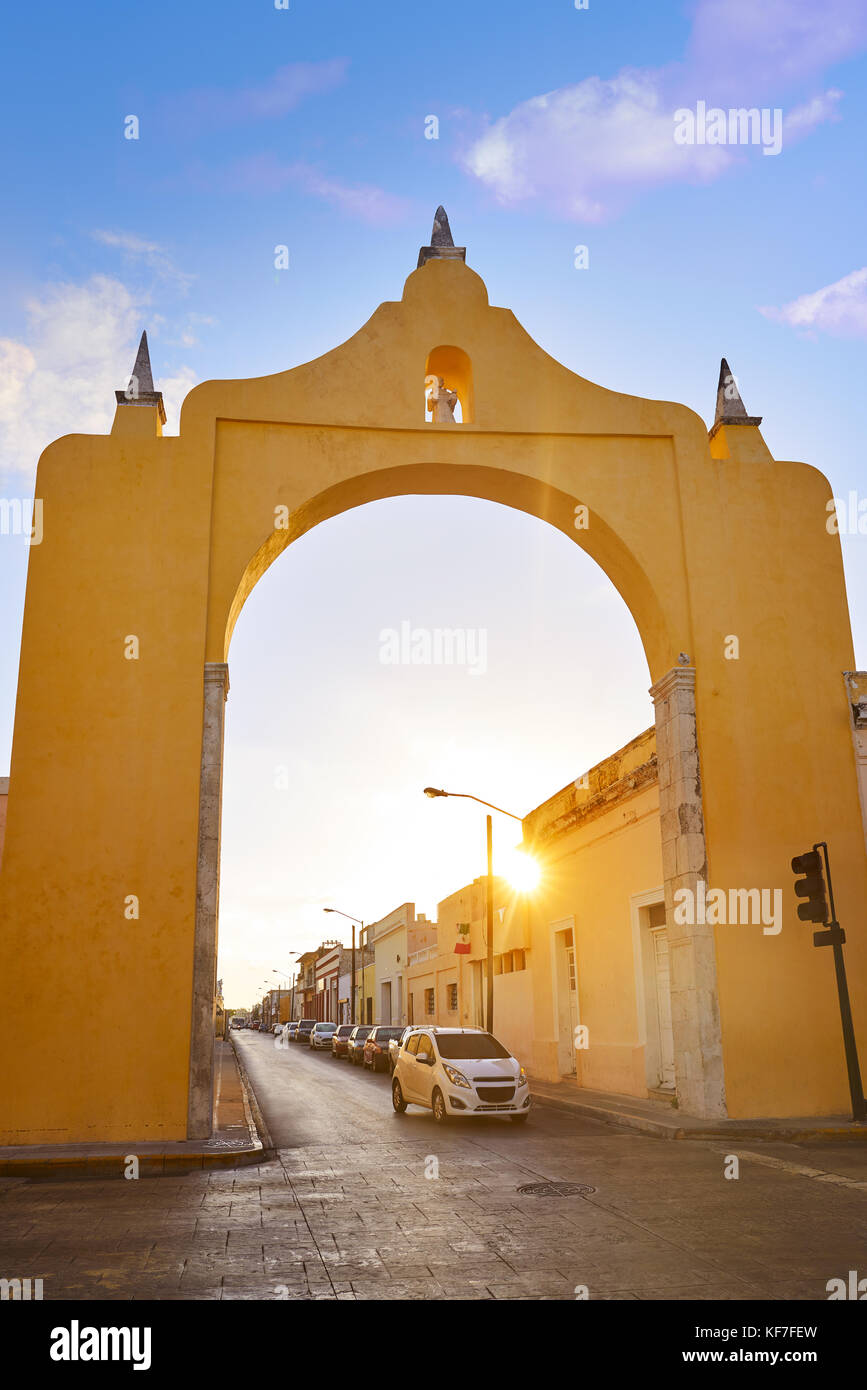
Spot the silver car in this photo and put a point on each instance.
(321, 1035)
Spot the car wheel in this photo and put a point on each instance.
(440, 1113)
(397, 1099)
(520, 1119)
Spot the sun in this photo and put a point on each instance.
(522, 871)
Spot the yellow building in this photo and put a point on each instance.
(586, 950)
(110, 877)
(600, 946)
(395, 938)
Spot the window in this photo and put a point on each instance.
(469, 1047)
(452, 996)
(425, 1046)
(429, 1005)
(412, 1045)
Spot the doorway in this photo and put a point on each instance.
(565, 993)
(653, 992)
(385, 1002)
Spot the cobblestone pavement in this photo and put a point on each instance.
(407, 1210)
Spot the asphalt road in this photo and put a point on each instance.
(311, 1097)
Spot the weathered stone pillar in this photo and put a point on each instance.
(201, 1101)
(856, 690)
(694, 997)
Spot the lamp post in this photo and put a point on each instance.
(489, 895)
(354, 921)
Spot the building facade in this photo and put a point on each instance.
(395, 938)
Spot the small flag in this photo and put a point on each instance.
(462, 948)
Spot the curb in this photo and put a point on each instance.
(661, 1129)
(251, 1107)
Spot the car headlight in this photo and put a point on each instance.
(456, 1077)
(523, 1079)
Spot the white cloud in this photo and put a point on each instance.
(587, 149)
(801, 120)
(740, 47)
(839, 309)
(267, 174)
(137, 250)
(79, 349)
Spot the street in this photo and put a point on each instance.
(362, 1204)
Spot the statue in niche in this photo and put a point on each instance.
(441, 401)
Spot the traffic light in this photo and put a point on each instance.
(811, 887)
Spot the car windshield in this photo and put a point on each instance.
(389, 1032)
(363, 1032)
(344, 1030)
(468, 1047)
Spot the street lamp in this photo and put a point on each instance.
(353, 920)
(489, 905)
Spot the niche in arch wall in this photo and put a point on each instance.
(456, 369)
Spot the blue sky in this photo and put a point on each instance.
(306, 127)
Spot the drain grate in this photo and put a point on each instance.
(556, 1189)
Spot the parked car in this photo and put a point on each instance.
(340, 1038)
(356, 1040)
(256, 1025)
(304, 1029)
(395, 1044)
(459, 1071)
(278, 1028)
(375, 1051)
(321, 1035)
(291, 1030)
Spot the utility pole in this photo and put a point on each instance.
(352, 987)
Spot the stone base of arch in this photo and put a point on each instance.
(694, 996)
(200, 1106)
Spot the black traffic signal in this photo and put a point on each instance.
(811, 887)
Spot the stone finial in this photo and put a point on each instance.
(442, 245)
(730, 409)
(140, 390)
(442, 232)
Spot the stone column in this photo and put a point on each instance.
(694, 996)
(856, 691)
(200, 1110)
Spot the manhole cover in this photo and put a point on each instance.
(556, 1189)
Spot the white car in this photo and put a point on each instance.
(321, 1035)
(459, 1071)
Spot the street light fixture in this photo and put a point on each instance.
(489, 905)
(353, 920)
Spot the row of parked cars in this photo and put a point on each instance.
(451, 1071)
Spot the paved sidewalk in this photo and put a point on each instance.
(235, 1141)
(665, 1121)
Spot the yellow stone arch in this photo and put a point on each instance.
(116, 770)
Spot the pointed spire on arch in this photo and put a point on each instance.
(730, 409)
(140, 390)
(442, 243)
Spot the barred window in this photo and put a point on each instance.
(428, 1001)
(452, 995)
